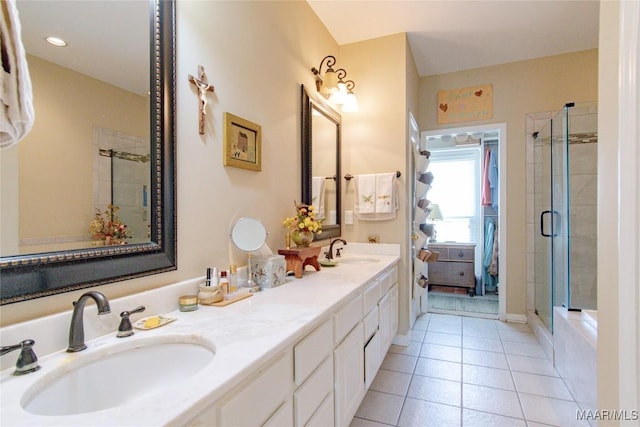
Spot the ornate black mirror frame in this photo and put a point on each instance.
(24, 277)
(311, 102)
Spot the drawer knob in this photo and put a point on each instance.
(461, 273)
(460, 254)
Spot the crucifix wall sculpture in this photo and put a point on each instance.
(203, 88)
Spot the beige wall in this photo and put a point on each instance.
(56, 158)
(256, 54)
(375, 139)
(53, 175)
(544, 84)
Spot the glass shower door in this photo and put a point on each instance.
(550, 199)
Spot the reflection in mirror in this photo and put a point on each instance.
(321, 132)
(103, 135)
(89, 146)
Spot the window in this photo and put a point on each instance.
(456, 190)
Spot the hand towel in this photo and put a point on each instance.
(369, 204)
(365, 195)
(317, 195)
(384, 192)
(16, 103)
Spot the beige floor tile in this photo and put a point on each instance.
(426, 414)
(435, 390)
(541, 385)
(413, 349)
(550, 411)
(441, 352)
(471, 418)
(380, 407)
(391, 382)
(491, 400)
(532, 365)
(359, 422)
(524, 349)
(453, 340)
(484, 344)
(438, 369)
(488, 377)
(484, 358)
(399, 362)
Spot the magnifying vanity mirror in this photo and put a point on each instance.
(248, 235)
(321, 134)
(115, 145)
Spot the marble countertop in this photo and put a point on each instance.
(245, 334)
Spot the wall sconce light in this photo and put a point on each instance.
(332, 85)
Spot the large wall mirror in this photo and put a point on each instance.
(104, 136)
(321, 133)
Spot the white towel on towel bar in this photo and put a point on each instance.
(384, 192)
(16, 97)
(365, 193)
(317, 195)
(384, 203)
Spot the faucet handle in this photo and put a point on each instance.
(126, 329)
(27, 361)
(339, 252)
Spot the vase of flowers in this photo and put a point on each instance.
(107, 229)
(304, 225)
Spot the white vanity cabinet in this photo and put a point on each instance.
(322, 379)
(349, 385)
(313, 376)
(263, 400)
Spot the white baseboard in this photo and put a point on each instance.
(403, 340)
(516, 318)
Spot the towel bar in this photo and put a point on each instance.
(348, 176)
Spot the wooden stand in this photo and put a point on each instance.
(298, 258)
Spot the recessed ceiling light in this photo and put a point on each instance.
(56, 41)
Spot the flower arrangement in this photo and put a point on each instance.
(305, 219)
(106, 228)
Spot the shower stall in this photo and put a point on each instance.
(564, 209)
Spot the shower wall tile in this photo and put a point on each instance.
(583, 159)
(584, 190)
(584, 221)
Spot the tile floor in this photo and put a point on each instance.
(465, 371)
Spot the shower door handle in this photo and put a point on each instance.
(542, 216)
(553, 223)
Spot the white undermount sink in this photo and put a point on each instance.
(357, 260)
(117, 374)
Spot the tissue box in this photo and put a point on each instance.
(268, 271)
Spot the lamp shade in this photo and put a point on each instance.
(350, 103)
(436, 213)
(330, 83)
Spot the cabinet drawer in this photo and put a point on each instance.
(311, 394)
(385, 283)
(310, 352)
(346, 318)
(370, 323)
(452, 273)
(460, 254)
(269, 387)
(371, 295)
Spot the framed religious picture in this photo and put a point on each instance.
(242, 143)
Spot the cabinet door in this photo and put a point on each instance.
(372, 359)
(384, 307)
(266, 394)
(348, 359)
(393, 302)
(283, 416)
